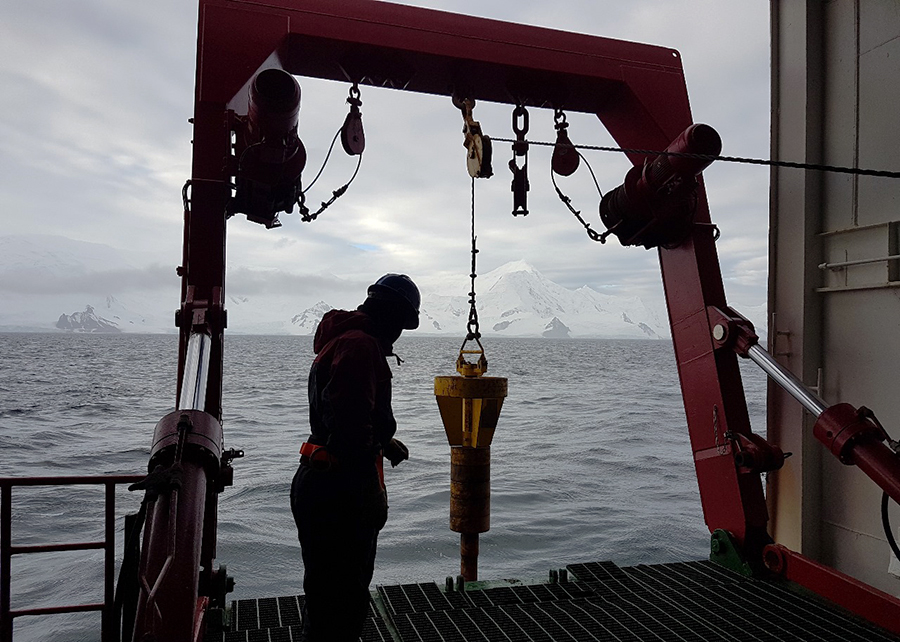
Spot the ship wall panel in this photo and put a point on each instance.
(835, 74)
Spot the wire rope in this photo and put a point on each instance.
(728, 159)
(472, 326)
(886, 523)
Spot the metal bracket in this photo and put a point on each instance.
(730, 329)
(724, 552)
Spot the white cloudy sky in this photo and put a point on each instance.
(95, 146)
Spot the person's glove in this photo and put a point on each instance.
(395, 452)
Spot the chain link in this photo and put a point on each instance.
(472, 326)
(592, 234)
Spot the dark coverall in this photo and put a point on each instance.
(339, 506)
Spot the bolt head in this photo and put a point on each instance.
(719, 332)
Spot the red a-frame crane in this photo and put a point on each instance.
(638, 93)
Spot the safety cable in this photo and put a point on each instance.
(353, 142)
(306, 217)
(324, 162)
(472, 325)
(886, 523)
(593, 234)
(727, 159)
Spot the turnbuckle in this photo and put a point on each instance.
(520, 184)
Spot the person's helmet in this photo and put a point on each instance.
(400, 289)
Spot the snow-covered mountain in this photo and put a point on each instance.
(518, 301)
(49, 283)
(87, 321)
(307, 321)
(48, 280)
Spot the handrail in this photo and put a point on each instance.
(843, 264)
(109, 631)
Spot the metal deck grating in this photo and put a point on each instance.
(683, 602)
(415, 598)
(278, 620)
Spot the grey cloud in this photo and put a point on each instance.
(239, 281)
(247, 282)
(41, 281)
(100, 148)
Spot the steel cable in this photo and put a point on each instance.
(728, 159)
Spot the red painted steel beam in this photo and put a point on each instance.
(712, 389)
(6, 623)
(109, 624)
(69, 480)
(419, 50)
(59, 610)
(56, 548)
(857, 597)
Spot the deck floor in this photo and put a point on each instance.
(689, 601)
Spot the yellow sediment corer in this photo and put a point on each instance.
(470, 404)
(470, 407)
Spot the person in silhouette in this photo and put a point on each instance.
(338, 497)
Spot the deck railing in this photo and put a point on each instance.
(109, 629)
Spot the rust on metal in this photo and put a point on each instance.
(468, 556)
(470, 489)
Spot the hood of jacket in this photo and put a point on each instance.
(337, 322)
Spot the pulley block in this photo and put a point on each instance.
(353, 137)
(565, 158)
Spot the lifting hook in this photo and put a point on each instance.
(478, 160)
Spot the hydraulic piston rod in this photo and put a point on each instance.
(196, 370)
(852, 435)
(786, 379)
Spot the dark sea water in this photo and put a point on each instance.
(590, 461)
